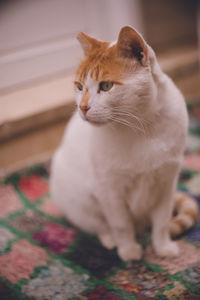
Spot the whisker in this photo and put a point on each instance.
(130, 115)
(126, 123)
(120, 121)
(121, 110)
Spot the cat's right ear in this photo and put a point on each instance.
(87, 42)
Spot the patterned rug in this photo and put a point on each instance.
(42, 257)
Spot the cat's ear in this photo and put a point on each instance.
(130, 44)
(86, 42)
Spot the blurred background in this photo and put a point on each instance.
(39, 54)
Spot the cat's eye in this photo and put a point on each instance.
(79, 85)
(105, 85)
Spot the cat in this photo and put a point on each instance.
(116, 169)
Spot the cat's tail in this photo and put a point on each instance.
(185, 214)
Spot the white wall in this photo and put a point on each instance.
(108, 16)
(38, 37)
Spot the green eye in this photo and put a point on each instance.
(105, 85)
(79, 85)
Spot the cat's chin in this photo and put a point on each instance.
(96, 121)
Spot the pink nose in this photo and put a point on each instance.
(84, 108)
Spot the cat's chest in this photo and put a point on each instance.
(133, 156)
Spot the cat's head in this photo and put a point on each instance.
(114, 81)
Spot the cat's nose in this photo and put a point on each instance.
(84, 108)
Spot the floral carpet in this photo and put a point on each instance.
(43, 257)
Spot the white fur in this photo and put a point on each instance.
(111, 180)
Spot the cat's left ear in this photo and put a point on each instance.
(130, 44)
(87, 42)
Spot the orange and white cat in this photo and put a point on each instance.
(116, 169)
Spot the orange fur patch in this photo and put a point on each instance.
(104, 64)
(193, 214)
(181, 224)
(108, 62)
(180, 198)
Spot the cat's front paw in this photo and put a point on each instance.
(170, 249)
(130, 252)
(107, 241)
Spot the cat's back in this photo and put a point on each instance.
(174, 116)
